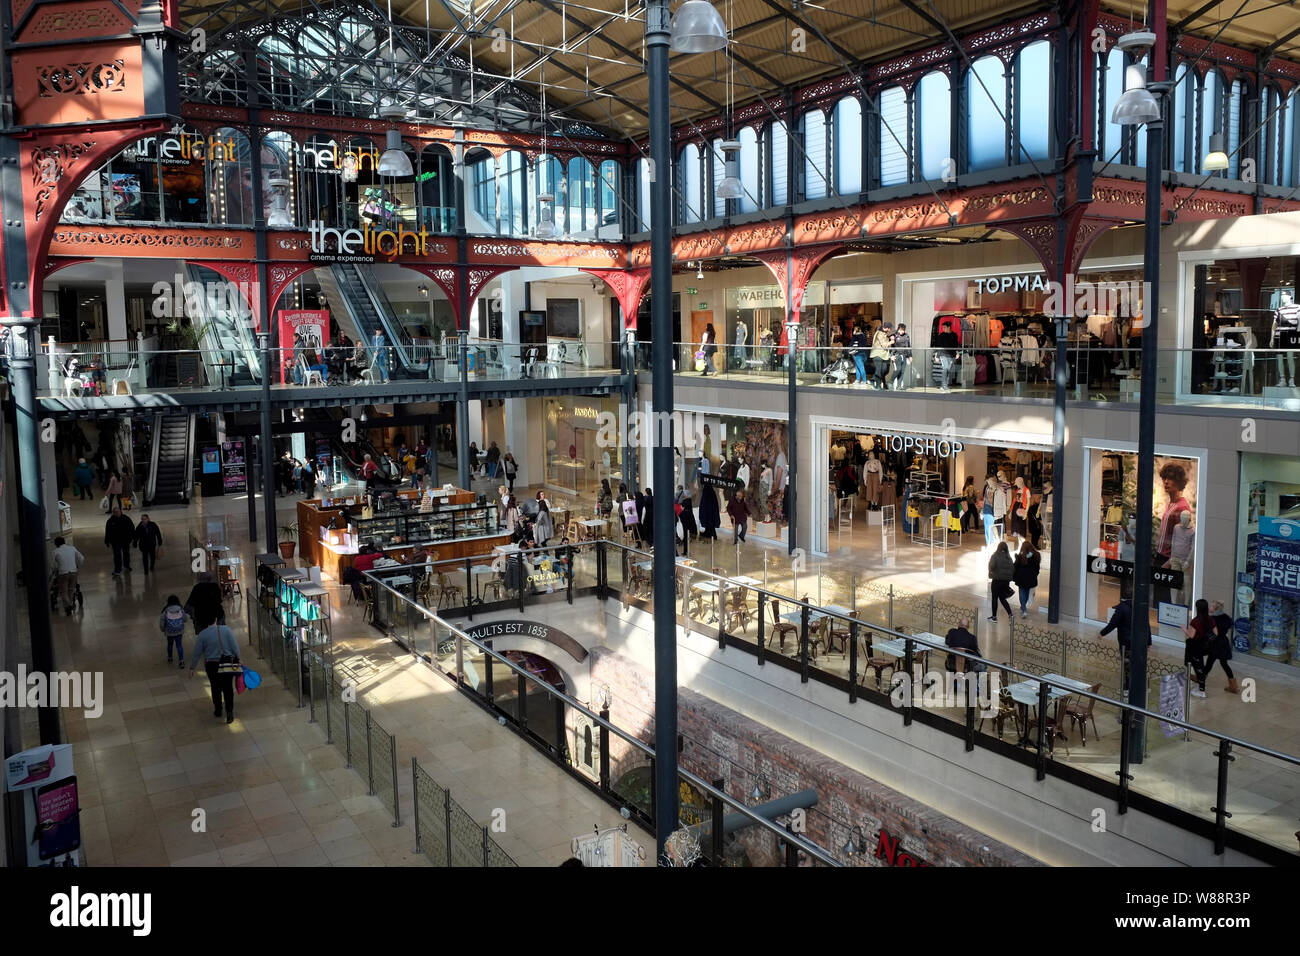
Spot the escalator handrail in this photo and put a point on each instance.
(387, 317)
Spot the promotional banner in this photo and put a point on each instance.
(211, 460)
(233, 475)
(1277, 560)
(1173, 689)
(301, 331)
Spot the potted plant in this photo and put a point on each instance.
(288, 540)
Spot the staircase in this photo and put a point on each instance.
(173, 448)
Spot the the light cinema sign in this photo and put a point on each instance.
(366, 242)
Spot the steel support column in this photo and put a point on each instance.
(31, 509)
(661, 330)
(264, 316)
(791, 442)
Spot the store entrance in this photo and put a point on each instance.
(924, 505)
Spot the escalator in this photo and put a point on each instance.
(228, 338)
(362, 309)
(170, 473)
(351, 454)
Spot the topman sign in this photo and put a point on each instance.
(1020, 283)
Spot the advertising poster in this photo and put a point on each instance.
(211, 461)
(233, 474)
(301, 331)
(1277, 560)
(44, 776)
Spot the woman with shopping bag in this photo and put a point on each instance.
(216, 647)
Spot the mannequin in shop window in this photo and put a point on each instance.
(738, 350)
(987, 506)
(1018, 521)
(1286, 335)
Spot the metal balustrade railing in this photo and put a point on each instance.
(505, 688)
(836, 649)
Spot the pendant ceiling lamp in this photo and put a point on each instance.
(697, 27)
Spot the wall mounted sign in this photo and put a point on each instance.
(533, 629)
(922, 444)
(887, 849)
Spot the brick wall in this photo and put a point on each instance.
(722, 743)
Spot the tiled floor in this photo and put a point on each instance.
(272, 792)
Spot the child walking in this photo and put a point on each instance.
(172, 623)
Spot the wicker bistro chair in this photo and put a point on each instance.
(1079, 711)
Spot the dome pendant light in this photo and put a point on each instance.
(545, 217)
(697, 28)
(1136, 105)
(1216, 160)
(394, 161)
(730, 187)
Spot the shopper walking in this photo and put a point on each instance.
(511, 469)
(708, 346)
(119, 532)
(1199, 633)
(1026, 574)
(739, 514)
(213, 645)
(881, 343)
(970, 505)
(1121, 622)
(902, 355)
(987, 512)
(858, 349)
(67, 561)
(543, 524)
(1002, 570)
(172, 623)
(204, 602)
(493, 459)
(83, 476)
(148, 538)
(1221, 645)
(115, 490)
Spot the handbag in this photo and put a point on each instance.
(227, 663)
(239, 683)
(699, 361)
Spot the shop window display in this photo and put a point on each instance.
(575, 458)
(1267, 590)
(1112, 534)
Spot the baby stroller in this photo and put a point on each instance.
(54, 595)
(838, 372)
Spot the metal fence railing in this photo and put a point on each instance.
(445, 833)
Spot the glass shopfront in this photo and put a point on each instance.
(1242, 325)
(1003, 322)
(754, 327)
(1110, 520)
(576, 458)
(920, 476)
(1266, 598)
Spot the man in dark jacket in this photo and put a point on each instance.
(148, 539)
(204, 602)
(119, 532)
(946, 343)
(1121, 621)
(962, 639)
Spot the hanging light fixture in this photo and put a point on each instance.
(349, 167)
(1216, 159)
(730, 187)
(699, 269)
(1136, 105)
(394, 161)
(279, 217)
(545, 216)
(424, 291)
(697, 28)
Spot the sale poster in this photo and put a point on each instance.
(302, 331)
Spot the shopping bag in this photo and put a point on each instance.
(252, 679)
(103, 504)
(239, 684)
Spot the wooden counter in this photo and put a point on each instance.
(334, 562)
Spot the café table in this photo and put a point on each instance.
(1025, 694)
(592, 528)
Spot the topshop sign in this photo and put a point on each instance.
(922, 445)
